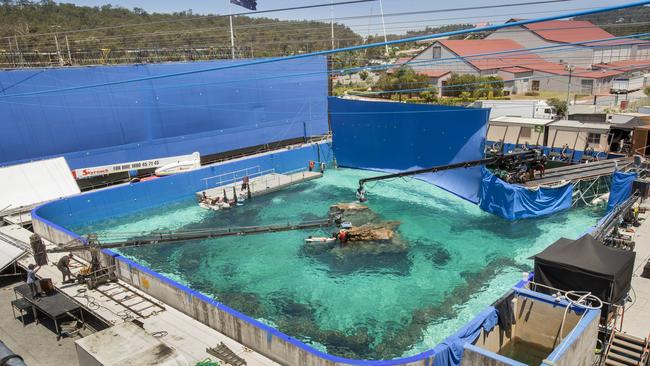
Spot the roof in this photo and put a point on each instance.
(586, 264)
(519, 61)
(25, 185)
(625, 65)
(575, 31)
(515, 69)
(397, 64)
(565, 123)
(433, 73)
(9, 250)
(522, 120)
(478, 47)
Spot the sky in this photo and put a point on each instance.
(397, 24)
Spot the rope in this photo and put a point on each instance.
(338, 50)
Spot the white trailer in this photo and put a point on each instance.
(627, 84)
(516, 108)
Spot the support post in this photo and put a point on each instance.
(67, 45)
(232, 32)
(383, 24)
(332, 20)
(58, 50)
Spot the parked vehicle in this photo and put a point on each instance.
(516, 108)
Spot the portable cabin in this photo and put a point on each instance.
(517, 131)
(578, 136)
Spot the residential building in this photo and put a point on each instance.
(558, 32)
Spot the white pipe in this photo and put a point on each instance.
(232, 33)
(383, 24)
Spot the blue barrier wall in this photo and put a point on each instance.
(98, 205)
(208, 112)
(620, 189)
(389, 137)
(514, 202)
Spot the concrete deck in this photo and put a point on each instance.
(35, 343)
(260, 185)
(637, 314)
(188, 336)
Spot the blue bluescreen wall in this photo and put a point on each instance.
(396, 136)
(99, 205)
(207, 112)
(514, 202)
(620, 189)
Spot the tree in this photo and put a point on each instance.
(430, 95)
(560, 106)
(404, 78)
(363, 75)
(474, 86)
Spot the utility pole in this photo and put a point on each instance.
(67, 45)
(232, 32)
(58, 50)
(20, 54)
(570, 69)
(332, 20)
(383, 24)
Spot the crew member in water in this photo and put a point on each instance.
(343, 237)
(361, 194)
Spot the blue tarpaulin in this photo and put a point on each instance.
(621, 189)
(391, 137)
(450, 351)
(208, 112)
(515, 202)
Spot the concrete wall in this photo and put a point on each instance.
(425, 61)
(539, 320)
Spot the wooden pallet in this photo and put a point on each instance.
(226, 355)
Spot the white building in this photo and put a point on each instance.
(558, 32)
(521, 70)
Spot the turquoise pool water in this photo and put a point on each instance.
(352, 304)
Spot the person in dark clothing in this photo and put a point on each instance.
(64, 266)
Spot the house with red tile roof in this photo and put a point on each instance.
(521, 69)
(585, 52)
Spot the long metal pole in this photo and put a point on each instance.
(383, 24)
(332, 20)
(232, 33)
(568, 90)
(67, 45)
(58, 50)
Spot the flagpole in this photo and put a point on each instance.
(383, 24)
(332, 20)
(232, 33)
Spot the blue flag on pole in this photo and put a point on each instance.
(248, 4)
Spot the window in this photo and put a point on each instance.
(586, 86)
(436, 52)
(535, 86)
(525, 132)
(593, 138)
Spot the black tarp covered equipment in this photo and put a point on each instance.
(585, 264)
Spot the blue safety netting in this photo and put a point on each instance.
(392, 137)
(208, 112)
(620, 189)
(515, 202)
(450, 351)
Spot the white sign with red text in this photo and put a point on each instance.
(96, 171)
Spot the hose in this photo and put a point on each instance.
(581, 303)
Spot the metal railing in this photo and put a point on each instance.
(235, 176)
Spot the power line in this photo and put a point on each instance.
(328, 52)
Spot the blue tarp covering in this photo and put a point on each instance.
(621, 188)
(514, 202)
(450, 351)
(392, 137)
(208, 112)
